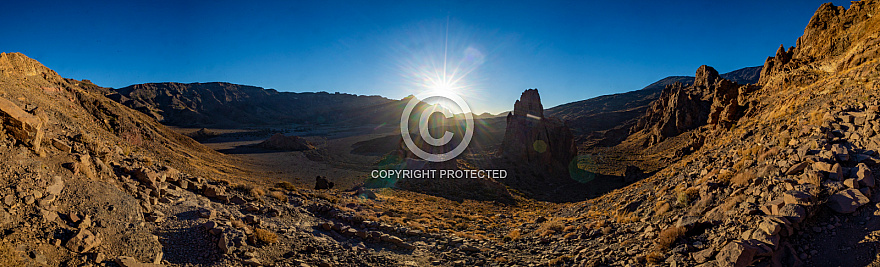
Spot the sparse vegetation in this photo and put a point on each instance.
(278, 195)
(668, 237)
(654, 257)
(512, 235)
(743, 178)
(551, 227)
(286, 186)
(265, 236)
(559, 260)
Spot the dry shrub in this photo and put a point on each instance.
(551, 227)
(731, 202)
(278, 195)
(242, 187)
(771, 152)
(815, 117)
(668, 237)
(512, 235)
(257, 192)
(559, 260)
(724, 176)
(626, 217)
(265, 236)
(328, 197)
(661, 208)
(654, 257)
(743, 178)
(417, 225)
(285, 185)
(684, 197)
(741, 164)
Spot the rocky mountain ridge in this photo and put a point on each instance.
(607, 120)
(226, 104)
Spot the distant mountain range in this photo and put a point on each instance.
(600, 120)
(227, 104)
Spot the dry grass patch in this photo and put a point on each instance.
(551, 227)
(512, 235)
(770, 152)
(724, 176)
(661, 208)
(559, 260)
(668, 237)
(654, 257)
(265, 236)
(743, 178)
(731, 202)
(278, 195)
(286, 186)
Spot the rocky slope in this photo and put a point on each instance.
(87, 181)
(787, 182)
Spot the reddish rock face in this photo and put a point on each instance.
(542, 144)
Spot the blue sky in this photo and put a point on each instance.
(569, 50)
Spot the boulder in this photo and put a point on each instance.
(322, 183)
(736, 254)
(55, 186)
(23, 126)
(847, 201)
(797, 197)
(863, 175)
(793, 212)
(83, 241)
(212, 191)
(797, 168)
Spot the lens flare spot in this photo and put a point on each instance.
(540, 146)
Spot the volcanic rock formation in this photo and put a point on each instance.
(544, 145)
(710, 100)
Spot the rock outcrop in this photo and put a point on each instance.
(833, 31)
(544, 145)
(711, 100)
(25, 127)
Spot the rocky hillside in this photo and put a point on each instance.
(87, 181)
(785, 176)
(606, 120)
(226, 104)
